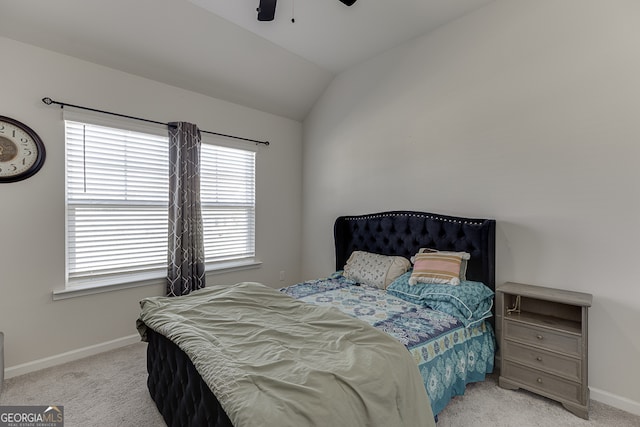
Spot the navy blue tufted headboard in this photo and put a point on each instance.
(405, 232)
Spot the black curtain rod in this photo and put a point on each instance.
(50, 101)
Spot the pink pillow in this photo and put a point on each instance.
(436, 267)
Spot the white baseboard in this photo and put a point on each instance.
(614, 400)
(59, 359)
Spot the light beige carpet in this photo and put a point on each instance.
(109, 390)
(486, 404)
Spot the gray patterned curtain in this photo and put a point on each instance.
(186, 248)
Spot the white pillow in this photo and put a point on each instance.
(375, 269)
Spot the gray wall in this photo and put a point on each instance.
(32, 262)
(524, 111)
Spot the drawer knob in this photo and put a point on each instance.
(539, 359)
(539, 337)
(539, 380)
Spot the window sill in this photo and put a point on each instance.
(92, 287)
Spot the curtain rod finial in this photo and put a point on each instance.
(47, 100)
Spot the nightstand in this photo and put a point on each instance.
(543, 343)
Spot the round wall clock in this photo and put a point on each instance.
(22, 152)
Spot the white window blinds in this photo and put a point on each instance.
(117, 200)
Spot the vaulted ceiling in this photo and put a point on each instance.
(219, 48)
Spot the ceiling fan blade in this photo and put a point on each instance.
(266, 10)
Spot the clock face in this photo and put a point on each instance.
(22, 152)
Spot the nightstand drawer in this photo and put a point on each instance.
(564, 366)
(543, 338)
(548, 384)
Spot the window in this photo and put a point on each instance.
(117, 201)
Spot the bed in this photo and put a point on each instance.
(451, 345)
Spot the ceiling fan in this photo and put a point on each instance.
(267, 9)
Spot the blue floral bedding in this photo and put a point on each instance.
(470, 302)
(449, 354)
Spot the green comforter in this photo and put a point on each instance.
(272, 360)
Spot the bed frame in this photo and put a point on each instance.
(181, 395)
